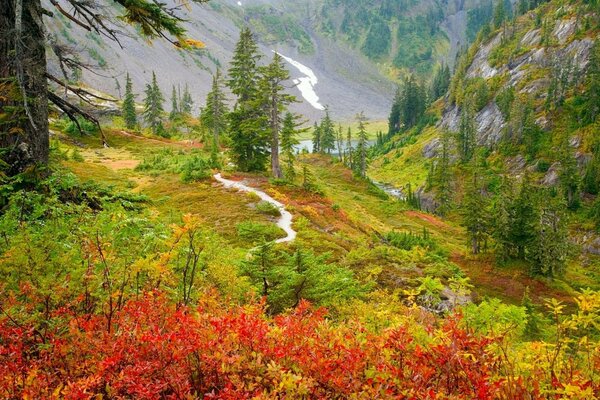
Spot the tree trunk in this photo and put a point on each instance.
(275, 165)
(24, 138)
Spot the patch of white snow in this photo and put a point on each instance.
(306, 84)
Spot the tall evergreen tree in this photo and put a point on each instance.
(467, 133)
(523, 215)
(475, 212)
(349, 151)
(443, 175)
(316, 139)
(362, 146)
(214, 114)
(570, 181)
(327, 143)
(592, 80)
(275, 102)
(289, 141)
(174, 114)
(153, 106)
(548, 249)
(248, 125)
(186, 103)
(128, 108)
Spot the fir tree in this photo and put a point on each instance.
(443, 176)
(214, 114)
(153, 106)
(569, 176)
(362, 146)
(349, 151)
(128, 109)
(523, 215)
(174, 114)
(467, 134)
(548, 248)
(274, 102)
(248, 125)
(289, 140)
(475, 213)
(327, 134)
(316, 139)
(186, 103)
(592, 80)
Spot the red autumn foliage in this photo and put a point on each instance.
(157, 351)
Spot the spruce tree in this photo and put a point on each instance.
(316, 139)
(443, 176)
(549, 247)
(327, 143)
(349, 151)
(467, 134)
(214, 114)
(128, 109)
(523, 215)
(362, 146)
(275, 102)
(475, 213)
(174, 114)
(592, 83)
(153, 106)
(187, 103)
(289, 140)
(248, 126)
(569, 176)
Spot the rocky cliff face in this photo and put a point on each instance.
(528, 72)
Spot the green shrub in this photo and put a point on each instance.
(409, 240)
(86, 126)
(268, 208)
(195, 168)
(76, 156)
(257, 232)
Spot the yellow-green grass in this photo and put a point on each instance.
(372, 128)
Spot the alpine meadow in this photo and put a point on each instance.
(309, 199)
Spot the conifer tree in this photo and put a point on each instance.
(523, 215)
(128, 109)
(443, 175)
(569, 176)
(316, 139)
(499, 14)
(248, 125)
(502, 219)
(174, 114)
(289, 140)
(467, 134)
(592, 80)
(362, 146)
(475, 213)
(327, 143)
(186, 103)
(349, 150)
(339, 138)
(275, 102)
(153, 106)
(549, 247)
(214, 114)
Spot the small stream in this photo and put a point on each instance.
(284, 221)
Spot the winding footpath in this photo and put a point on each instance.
(285, 220)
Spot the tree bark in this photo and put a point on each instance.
(275, 164)
(24, 138)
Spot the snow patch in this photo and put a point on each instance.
(239, 3)
(306, 84)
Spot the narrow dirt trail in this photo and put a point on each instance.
(284, 221)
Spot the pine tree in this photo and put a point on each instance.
(349, 150)
(499, 14)
(475, 213)
(569, 176)
(153, 106)
(339, 138)
(243, 73)
(467, 134)
(362, 146)
(395, 119)
(502, 218)
(327, 131)
(274, 102)
(316, 139)
(289, 141)
(549, 247)
(174, 114)
(214, 114)
(592, 80)
(248, 126)
(128, 109)
(523, 216)
(443, 176)
(187, 103)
